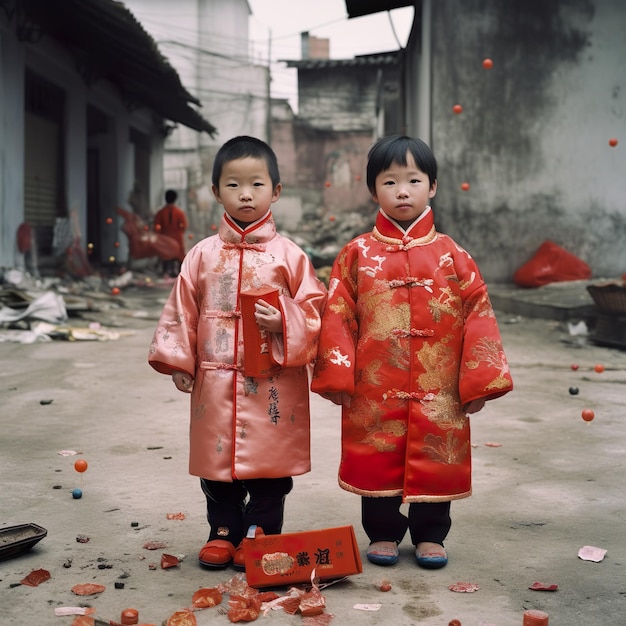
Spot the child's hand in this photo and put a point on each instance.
(268, 317)
(474, 406)
(183, 381)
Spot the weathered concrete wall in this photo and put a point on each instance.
(533, 138)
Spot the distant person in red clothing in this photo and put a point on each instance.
(171, 221)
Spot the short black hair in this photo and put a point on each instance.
(241, 147)
(393, 149)
(170, 196)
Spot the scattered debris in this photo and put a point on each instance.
(175, 516)
(154, 545)
(464, 587)
(74, 610)
(87, 589)
(543, 587)
(591, 553)
(36, 577)
(367, 607)
(169, 560)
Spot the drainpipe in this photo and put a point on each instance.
(424, 76)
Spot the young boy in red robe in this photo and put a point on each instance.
(409, 347)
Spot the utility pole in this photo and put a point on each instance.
(268, 119)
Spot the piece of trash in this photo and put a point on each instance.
(152, 566)
(461, 587)
(169, 560)
(82, 539)
(87, 589)
(493, 444)
(74, 610)
(154, 545)
(206, 597)
(367, 607)
(176, 516)
(579, 329)
(543, 587)
(591, 553)
(184, 617)
(68, 452)
(36, 577)
(46, 401)
(383, 585)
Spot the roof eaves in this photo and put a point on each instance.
(115, 46)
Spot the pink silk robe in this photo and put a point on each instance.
(409, 333)
(242, 427)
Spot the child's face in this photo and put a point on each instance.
(245, 189)
(404, 191)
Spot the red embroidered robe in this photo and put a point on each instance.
(410, 334)
(242, 427)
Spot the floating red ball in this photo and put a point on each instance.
(487, 64)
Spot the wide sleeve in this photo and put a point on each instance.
(335, 365)
(302, 312)
(173, 346)
(484, 370)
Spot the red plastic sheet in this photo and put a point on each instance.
(551, 264)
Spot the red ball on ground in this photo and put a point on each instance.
(81, 465)
(487, 64)
(598, 367)
(457, 108)
(612, 142)
(587, 415)
(465, 186)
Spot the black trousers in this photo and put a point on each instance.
(230, 515)
(383, 521)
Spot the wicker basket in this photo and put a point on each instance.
(609, 297)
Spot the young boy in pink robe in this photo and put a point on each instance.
(410, 347)
(248, 434)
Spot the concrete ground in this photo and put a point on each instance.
(554, 485)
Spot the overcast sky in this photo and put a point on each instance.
(276, 25)
(275, 28)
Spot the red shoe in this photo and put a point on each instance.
(239, 560)
(217, 554)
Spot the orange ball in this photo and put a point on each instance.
(598, 367)
(612, 142)
(487, 64)
(327, 183)
(213, 227)
(332, 218)
(115, 291)
(457, 108)
(465, 186)
(109, 220)
(81, 465)
(587, 415)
